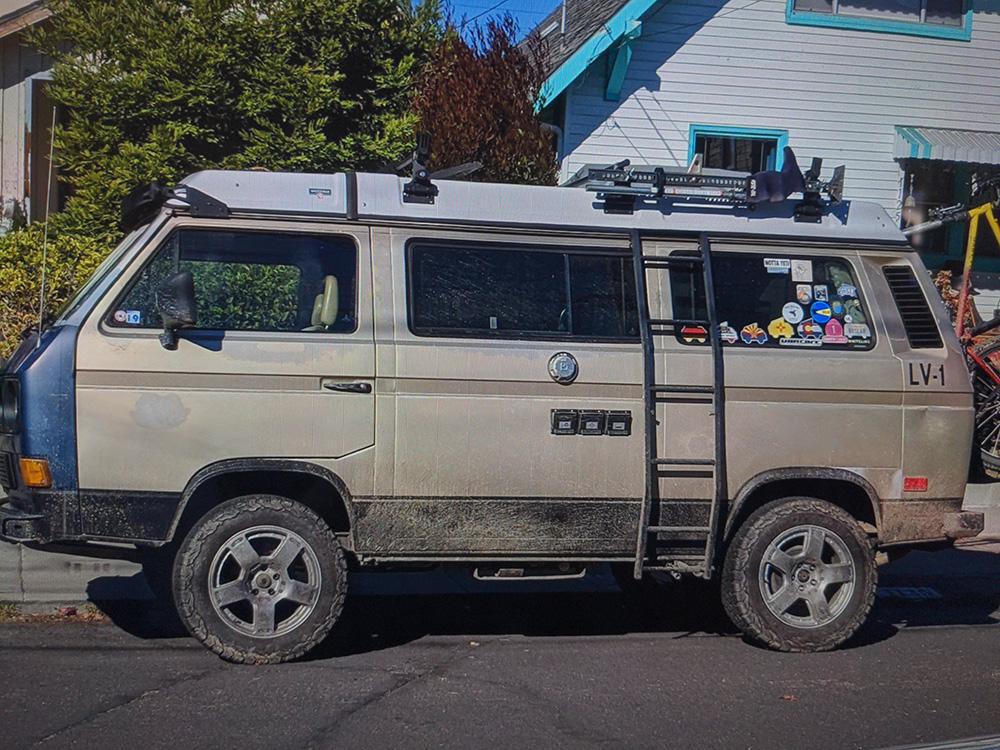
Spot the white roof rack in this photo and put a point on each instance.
(380, 197)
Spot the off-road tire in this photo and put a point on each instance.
(191, 570)
(741, 594)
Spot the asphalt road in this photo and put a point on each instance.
(577, 665)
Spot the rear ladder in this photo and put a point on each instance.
(698, 558)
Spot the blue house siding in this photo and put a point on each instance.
(838, 92)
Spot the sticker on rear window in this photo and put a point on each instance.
(802, 270)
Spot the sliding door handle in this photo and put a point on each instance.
(347, 387)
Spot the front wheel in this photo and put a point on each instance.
(260, 580)
(800, 575)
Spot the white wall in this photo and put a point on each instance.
(17, 63)
(839, 93)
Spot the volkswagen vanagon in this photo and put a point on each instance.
(276, 379)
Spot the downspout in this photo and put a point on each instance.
(558, 132)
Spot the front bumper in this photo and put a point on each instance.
(20, 526)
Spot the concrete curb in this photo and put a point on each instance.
(982, 496)
(36, 580)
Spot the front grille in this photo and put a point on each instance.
(8, 477)
(918, 319)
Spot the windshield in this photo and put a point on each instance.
(99, 275)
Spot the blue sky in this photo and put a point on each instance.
(527, 12)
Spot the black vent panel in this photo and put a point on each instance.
(918, 318)
(7, 474)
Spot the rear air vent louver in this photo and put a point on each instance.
(918, 318)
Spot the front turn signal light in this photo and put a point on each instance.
(35, 473)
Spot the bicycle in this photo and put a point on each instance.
(982, 353)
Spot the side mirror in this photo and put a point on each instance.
(176, 302)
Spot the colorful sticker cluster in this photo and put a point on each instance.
(822, 313)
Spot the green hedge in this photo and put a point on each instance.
(71, 261)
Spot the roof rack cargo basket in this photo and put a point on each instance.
(621, 188)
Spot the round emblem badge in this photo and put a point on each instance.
(792, 312)
(563, 368)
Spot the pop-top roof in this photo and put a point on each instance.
(380, 197)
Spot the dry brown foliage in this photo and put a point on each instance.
(476, 99)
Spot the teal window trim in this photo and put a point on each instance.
(616, 27)
(732, 131)
(961, 33)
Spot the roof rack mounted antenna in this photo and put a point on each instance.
(621, 187)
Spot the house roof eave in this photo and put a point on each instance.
(21, 18)
(609, 33)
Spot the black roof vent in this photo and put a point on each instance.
(918, 318)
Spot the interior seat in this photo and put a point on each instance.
(326, 306)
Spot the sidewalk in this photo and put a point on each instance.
(45, 579)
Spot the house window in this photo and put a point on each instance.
(950, 19)
(738, 149)
(932, 183)
(41, 200)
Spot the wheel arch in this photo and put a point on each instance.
(847, 490)
(316, 487)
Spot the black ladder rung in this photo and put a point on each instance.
(652, 322)
(678, 529)
(683, 461)
(682, 388)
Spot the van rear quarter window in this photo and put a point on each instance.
(771, 301)
(250, 281)
(503, 291)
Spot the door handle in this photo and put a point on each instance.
(348, 387)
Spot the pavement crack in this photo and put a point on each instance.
(170, 684)
(460, 652)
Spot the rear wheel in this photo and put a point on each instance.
(260, 580)
(799, 575)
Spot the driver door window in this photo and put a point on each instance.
(252, 281)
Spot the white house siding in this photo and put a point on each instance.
(839, 93)
(17, 64)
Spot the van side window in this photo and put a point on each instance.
(252, 281)
(768, 300)
(475, 291)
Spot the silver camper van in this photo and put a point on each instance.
(277, 379)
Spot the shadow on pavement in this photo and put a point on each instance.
(953, 587)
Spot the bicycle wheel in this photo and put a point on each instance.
(987, 401)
